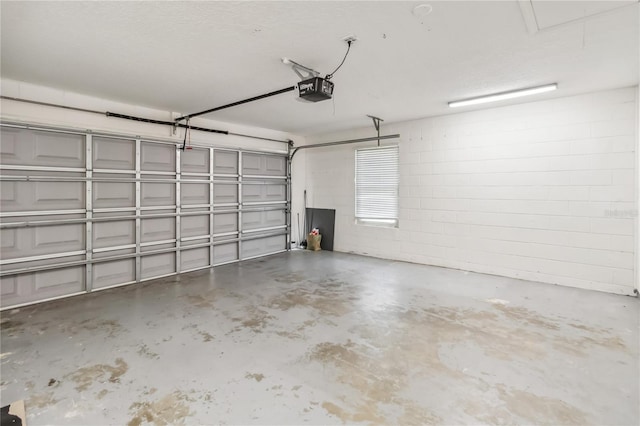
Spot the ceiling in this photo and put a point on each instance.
(192, 56)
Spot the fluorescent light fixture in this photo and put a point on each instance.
(504, 95)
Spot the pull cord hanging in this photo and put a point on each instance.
(187, 131)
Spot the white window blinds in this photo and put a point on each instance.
(377, 176)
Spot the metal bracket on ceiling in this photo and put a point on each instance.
(376, 124)
(300, 69)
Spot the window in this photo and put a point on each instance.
(377, 176)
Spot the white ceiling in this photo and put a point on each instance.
(191, 56)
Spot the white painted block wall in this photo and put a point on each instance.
(541, 191)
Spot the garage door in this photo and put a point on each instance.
(82, 212)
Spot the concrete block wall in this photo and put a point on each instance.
(542, 191)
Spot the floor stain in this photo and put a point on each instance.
(9, 325)
(299, 331)
(376, 379)
(398, 345)
(111, 327)
(102, 394)
(169, 410)
(200, 301)
(540, 410)
(291, 278)
(255, 376)
(206, 337)
(524, 315)
(41, 400)
(360, 414)
(327, 300)
(86, 376)
(147, 353)
(256, 320)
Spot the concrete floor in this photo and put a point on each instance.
(310, 338)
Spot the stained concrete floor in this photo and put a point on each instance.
(326, 338)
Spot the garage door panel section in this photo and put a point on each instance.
(114, 233)
(262, 246)
(225, 162)
(41, 240)
(224, 223)
(194, 193)
(194, 161)
(263, 164)
(264, 192)
(113, 194)
(158, 194)
(33, 147)
(156, 265)
(194, 226)
(252, 220)
(157, 157)
(25, 288)
(225, 193)
(157, 229)
(108, 274)
(194, 258)
(113, 154)
(225, 253)
(43, 192)
(59, 281)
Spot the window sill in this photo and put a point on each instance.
(377, 223)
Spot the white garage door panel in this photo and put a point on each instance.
(194, 258)
(25, 288)
(252, 193)
(111, 153)
(225, 162)
(158, 194)
(41, 148)
(263, 165)
(60, 281)
(224, 193)
(114, 234)
(158, 229)
(10, 243)
(25, 196)
(262, 219)
(36, 241)
(193, 226)
(194, 193)
(158, 264)
(194, 161)
(8, 195)
(261, 246)
(225, 222)
(107, 274)
(9, 286)
(156, 157)
(224, 253)
(276, 166)
(113, 194)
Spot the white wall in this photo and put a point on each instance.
(25, 112)
(544, 191)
